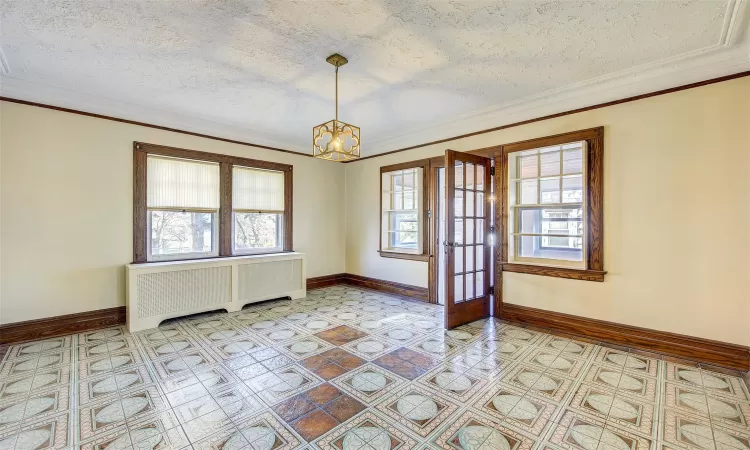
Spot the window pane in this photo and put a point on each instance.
(257, 190)
(469, 231)
(409, 201)
(528, 166)
(469, 203)
(527, 192)
(573, 161)
(407, 240)
(530, 221)
(257, 231)
(551, 221)
(459, 175)
(459, 231)
(181, 183)
(175, 232)
(480, 178)
(572, 189)
(480, 204)
(469, 176)
(459, 264)
(550, 190)
(397, 200)
(550, 163)
(540, 247)
(398, 182)
(480, 230)
(469, 258)
(479, 284)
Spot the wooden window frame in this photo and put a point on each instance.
(141, 150)
(423, 164)
(594, 214)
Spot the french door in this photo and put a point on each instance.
(466, 246)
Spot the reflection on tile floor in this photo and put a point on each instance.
(347, 368)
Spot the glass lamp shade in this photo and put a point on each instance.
(336, 141)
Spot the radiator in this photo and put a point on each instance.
(164, 290)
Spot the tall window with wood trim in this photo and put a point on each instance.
(553, 208)
(403, 214)
(189, 204)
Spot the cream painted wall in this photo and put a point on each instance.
(676, 214)
(66, 197)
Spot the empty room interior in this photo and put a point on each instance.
(375, 225)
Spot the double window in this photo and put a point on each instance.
(402, 210)
(190, 205)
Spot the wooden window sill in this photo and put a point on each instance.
(557, 272)
(410, 256)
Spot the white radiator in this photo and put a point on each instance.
(164, 290)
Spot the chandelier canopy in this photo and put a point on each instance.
(336, 140)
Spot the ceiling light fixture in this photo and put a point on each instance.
(336, 140)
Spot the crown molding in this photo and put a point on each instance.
(128, 112)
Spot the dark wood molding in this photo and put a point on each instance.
(558, 272)
(564, 113)
(33, 330)
(391, 287)
(226, 164)
(325, 280)
(423, 164)
(676, 345)
(148, 125)
(594, 214)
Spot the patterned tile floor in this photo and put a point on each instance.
(347, 368)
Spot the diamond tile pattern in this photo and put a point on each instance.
(349, 368)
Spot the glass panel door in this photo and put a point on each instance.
(466, 247)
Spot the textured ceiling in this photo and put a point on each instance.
(260, 65)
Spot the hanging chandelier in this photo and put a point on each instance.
(336, 140)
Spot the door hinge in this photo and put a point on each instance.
(492, 229)
(492, 288)
(429, 213)
(492, 170)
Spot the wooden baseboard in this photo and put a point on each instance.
(32, 330)
(672, 344)
(391, 287)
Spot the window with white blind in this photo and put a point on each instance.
(189, 204)
(402, 210)
(182, 208)
(257, 210)
(547, 201)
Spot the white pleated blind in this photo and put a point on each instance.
(257, 190)
(182, 183)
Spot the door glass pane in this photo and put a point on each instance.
(480, 178)
(480, 231)
(469, 203)
(528, 166)
(459, 231)
(459, 264)
(480, 204)
(469, 230)
(527, 192)
(550, 163)
(479, 284)
(550, 190)
(469, 176)
(459, 174)
(458, 210)
(469, 258)
(458, 288)
(469, 285)
(479, 251)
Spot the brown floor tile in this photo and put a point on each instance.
(335, 354)
(344, 408)
(294, 407)
(314, 425)
(415, 358)
(340, 335)
(350, 362)
(406, 370)
(330, 371)
(315, 362)
(323, 394)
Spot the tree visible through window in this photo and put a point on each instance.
(402, 210)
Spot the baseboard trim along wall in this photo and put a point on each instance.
(677, 345)
(32, 330)
(391, 287)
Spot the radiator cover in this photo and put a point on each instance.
(164, 290)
